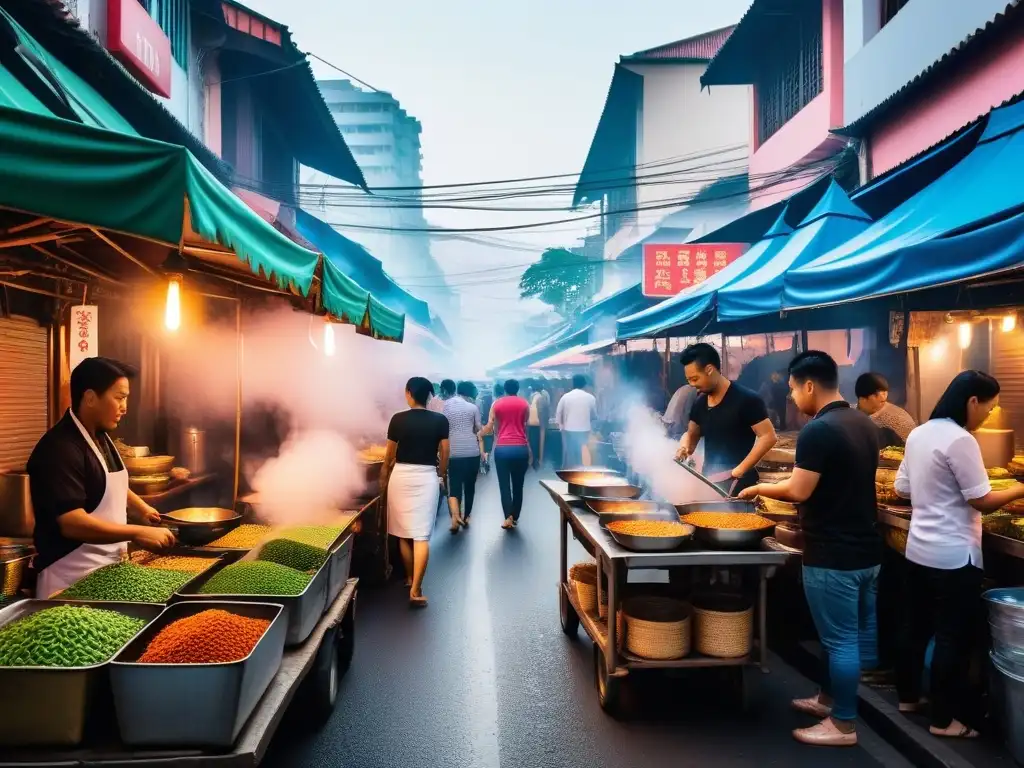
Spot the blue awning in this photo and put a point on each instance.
(961, 226)
(833, 221)
(357, 263)
(694, 302)
(565, 338)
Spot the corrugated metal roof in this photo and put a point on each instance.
(702, 47)
(1013, 11)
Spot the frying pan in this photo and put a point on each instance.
(603, 487)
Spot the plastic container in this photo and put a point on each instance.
(194, 705)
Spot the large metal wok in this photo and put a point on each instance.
(197, 526)
(726, 538)
(603, 486)
(609, 510)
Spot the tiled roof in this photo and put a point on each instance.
(702, 47)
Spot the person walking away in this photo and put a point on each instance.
(575, 415)
(415, 463)
(943, 475)
(677, 412)
(538, 424)
(464, 465)
(79, 485)
(872, 390)
(487, 438)
(732, 420)
(833, 484)
(445, 391)
(512, 455)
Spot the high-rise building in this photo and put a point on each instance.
(385, 140)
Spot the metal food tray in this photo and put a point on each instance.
(340, 564)
(303, 610)
(220, 560)
(47, 706)
(194, 705)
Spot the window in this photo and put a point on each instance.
(368, 128)
(173, 18)
(890, 8)
(793, 71)
(371, 149)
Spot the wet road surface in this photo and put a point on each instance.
(485, 678)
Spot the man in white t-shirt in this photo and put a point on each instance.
(540, 408)
(575, 418)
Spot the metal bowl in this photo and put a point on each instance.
(148, 485)
(664, 512)
(148, 465)
(727, 538)
(621, 507)
(571, 474)
(652, 543)
(604, 487)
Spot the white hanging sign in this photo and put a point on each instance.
(84, 334)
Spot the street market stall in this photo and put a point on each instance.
(657, 628)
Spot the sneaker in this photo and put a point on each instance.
(811, 706)
(825, 734)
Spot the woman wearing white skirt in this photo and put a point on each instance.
(415, 463)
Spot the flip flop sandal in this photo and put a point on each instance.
(965, 732)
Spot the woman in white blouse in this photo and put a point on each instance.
(945, 478)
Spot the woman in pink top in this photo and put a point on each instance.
(512, 454)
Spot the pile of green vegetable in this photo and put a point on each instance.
(66, 636)
(320, 536)
(127, 582)
(256, 577)
(294, 554)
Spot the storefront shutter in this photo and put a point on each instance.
(1008, 368)
(23, 389)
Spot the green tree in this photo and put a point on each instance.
(563, 279)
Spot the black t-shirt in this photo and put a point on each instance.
(839, 519)
(64, 475)
(419, 433)
(727, 428)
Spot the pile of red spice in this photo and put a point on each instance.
(210, 637)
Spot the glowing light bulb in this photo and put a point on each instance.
(938, 349)
(172, 313)
(1009, 323)
(329, 347)
(964, 335)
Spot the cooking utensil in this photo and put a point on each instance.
(653, 543)
(662, 512)
(726, 538)
(16, 515)
(201, 525)
(789, 535)
(147, 485)
(686, 465)
(569, 475)
(193, 449)
(148, 465)
(598, 486)
(630, 507)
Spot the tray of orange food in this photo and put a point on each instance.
(729, 530)
(648, 535)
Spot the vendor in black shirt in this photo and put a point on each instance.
(834, 485)
(79, 485)
(732, 420)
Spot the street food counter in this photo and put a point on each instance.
(712, 614)
(122, 666)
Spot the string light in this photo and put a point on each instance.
(172, 312)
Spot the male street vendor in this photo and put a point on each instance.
(732, 420)
(79, 484)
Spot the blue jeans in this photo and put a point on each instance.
(842, 605)
(511, 462)
(573, 444)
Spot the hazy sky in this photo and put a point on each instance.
(503, 89)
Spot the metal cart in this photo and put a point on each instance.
(309, 673)
(611, 664)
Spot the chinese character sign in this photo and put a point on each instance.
(83, 334)
(669, 269)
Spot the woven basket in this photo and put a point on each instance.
(657, 627)
(724, 635)
(583, 577)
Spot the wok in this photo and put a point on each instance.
(651, 543)
(570, 475)
(604, 487)
(200, 525)
(726, 538)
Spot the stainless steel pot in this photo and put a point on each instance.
(16, 516)
(726, 538)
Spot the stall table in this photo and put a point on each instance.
(611, 664)
(318, 663)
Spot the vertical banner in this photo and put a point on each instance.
(670, 269)
(83, 334)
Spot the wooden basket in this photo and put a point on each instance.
(583, 578)
(724, 635)
(657, 627)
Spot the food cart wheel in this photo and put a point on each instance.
(346, 643)
(570, 619)
(608, 688)
(321, 687)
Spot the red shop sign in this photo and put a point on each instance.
(137, 41)
(669, 269)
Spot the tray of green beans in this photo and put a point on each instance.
(53, 660)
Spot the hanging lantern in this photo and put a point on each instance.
(329, 347)
(1009, 322)
(172, 312)
(964, 335)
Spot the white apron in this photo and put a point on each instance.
(113, 508)
(413, 493)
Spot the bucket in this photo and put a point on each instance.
(1008, 704)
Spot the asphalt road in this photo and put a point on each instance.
(485, 678)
